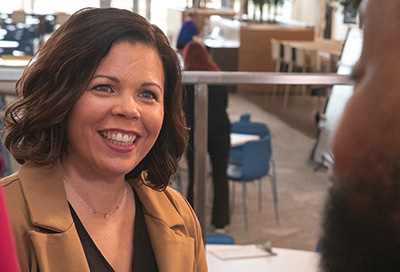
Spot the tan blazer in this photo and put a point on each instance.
(47, 240)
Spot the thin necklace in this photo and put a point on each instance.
(107, 214)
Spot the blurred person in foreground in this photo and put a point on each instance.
(196, 58)
(362, 217)
(98, 127)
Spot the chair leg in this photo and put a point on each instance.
(304, 87)
(233, 196)
(259, 194)
(287, 89)
(274, 190)
(275, 87)
(210, 183)
(246, 225)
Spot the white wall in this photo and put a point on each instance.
(306, 11)
(309, 11)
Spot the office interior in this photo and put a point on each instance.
(312, 37)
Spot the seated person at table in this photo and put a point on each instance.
(196, 58)
(188, 30)
(99, 128)
(362, 217)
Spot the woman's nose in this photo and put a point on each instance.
(126, 108)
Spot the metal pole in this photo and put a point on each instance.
(226, 4)
(200, 150)
(136, 6)
(105, 3)
(196, 4)
(148, 9)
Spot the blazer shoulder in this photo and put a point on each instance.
(184, 209)
(178, 200)
(9, 179)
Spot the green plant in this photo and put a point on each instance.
(276, 4)
(270, 3)
(348, 6)
(260, 4)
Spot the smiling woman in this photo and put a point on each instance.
(98, 128)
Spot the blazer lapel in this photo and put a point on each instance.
(55, 240)
(173, 248)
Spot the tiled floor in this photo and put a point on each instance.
(301, 189)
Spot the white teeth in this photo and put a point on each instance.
(119, 138)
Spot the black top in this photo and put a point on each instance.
(218, 120)
(143, 255)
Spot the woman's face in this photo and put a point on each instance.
(117, 120)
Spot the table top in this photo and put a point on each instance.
(8, 44)
(324, 45)
(222, 43)
(240, 139)
(286, 260)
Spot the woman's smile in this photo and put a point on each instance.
(118, 138)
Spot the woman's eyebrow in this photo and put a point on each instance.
(151, 84)
(116, 80)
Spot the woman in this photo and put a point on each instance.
(99, 132)
(196, 58)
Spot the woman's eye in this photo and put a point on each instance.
(103, 88)
(149, 95)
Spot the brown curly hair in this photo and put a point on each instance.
(35, 124)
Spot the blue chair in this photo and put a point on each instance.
(318, 247)
(244, 126)
(245, 117)
(252, 161)
(219, 239)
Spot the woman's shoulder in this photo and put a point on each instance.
(15, 201)
(11, 185)
(166, 204)
(9, 180)
(179, 202)
(166, 197)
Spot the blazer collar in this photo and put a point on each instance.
(173, 247)
(51, 211)
(158, 205)
(59, 248)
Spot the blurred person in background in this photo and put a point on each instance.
(196, 58)
(188, 31)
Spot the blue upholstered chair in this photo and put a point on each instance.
(252, 161)
(219, 239)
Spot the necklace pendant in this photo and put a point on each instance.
(117, 207)
(106, 216)
(94, 211)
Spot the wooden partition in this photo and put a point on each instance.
(255, 48)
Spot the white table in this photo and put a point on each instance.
(286, 260)
(9, 44)
(241, 139)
